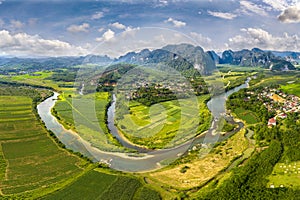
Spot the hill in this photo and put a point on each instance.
(256, 57)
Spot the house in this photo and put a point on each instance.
(272, 122)
(282, 115)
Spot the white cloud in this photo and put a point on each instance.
(97, 15)
(108, 35)
(204, 42)
(223, 15)
(276, 4)
(118, 25)
(176, 23)
(256, 37)
(280, 5)
(129, 32)
(15, 24)
(251, 8)
(22, 44)
(79, 28)
(161, 3)
(100, 30)
(290, 15)
(136, 39)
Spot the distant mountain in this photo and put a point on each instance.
(36, 64)
(214, 56)
(256, 57)
(181, 57)
(245, 57)
(293, 57)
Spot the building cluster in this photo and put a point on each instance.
(278, 102)
(177, 88)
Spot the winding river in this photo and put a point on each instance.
(146, 160)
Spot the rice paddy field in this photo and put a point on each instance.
(248, 116)
(86, 115)
(292, 88)
(165, 124)
(29, 159)
(97, 185)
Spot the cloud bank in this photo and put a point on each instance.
(290, 15)
(22, 44)
(256, 37)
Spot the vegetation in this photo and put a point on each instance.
(200, 165)
(87, 116)
(153, 94)
(258, 162)
(98, 185)
(165, 124)
(271, 172)
(24, 141)
(249, 181)
(248, 116)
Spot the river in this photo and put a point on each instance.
(147, 160)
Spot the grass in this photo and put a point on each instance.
(32, 160)
(202, 168)
(165, 124)
(145, 193)
(98, 185)
(293, 88)
(86, 115)
(124, 188)
(285, 175)
(89, 186)
(248, 116)
(41, 78)
(227, 77)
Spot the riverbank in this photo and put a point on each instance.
(125, 161)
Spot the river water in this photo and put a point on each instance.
(146, 160)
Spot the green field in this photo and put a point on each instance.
(246, 115)
(41, 78)
(166, 123)
(285, 175)
(30, 159)
(97, 185)
(293, 88)
(86, 115)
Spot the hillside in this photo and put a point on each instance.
(256, 57)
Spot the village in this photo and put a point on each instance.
(278, 102)
(179, 88)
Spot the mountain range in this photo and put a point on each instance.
(257, 57)
(182, 57)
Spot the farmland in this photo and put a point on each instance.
(292, 88)
(32, 165)
(98, 185)
(199, 169)
(248, 116)
(32, 160)
(89, 113)
(166, 123)
(285, 175)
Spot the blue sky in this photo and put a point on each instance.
(58, 28)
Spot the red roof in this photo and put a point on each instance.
(272, 120)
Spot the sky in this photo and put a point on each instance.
(80, 27)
